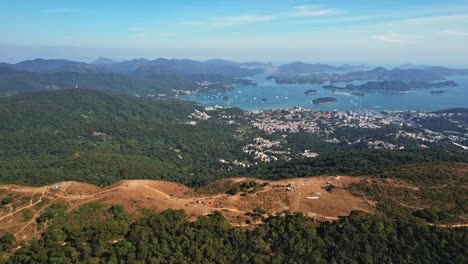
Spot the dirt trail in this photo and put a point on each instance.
(454, 225)
(23, 208)
(159, 195)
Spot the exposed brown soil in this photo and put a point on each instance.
(306, 195)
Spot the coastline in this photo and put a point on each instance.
(286, 96)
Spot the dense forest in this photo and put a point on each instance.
(94, 234)
(93, 137)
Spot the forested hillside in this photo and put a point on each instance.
(89, 136)
(95, 234)
(14, 82)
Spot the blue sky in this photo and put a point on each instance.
(333, 31)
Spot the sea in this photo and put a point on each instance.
(269, 95)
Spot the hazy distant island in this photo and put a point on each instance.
(244, 82)
(311, 91)
(396, 86)
(429, 74)
(304, 68)
(325, 100)
(281, 78)
(438, 92)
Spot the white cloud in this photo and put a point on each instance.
(391, 38)
(313, 10)
(437, 19)
(298, 11)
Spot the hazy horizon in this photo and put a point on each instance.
(335, 32)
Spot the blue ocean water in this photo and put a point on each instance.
(289, 95)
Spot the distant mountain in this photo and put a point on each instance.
(413, 66)
(305, 68)
(221, 62)
(411, 75)
(158, 66)
(41, 65)
(392, 85)
(436, 69)
(103, 61)
(256, 64)
(126, 66)
(190, 67)
(405, 75)
(138, 76)
(446, 71)
(237, 64)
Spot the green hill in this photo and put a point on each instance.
(70, 107)
(14, 82)
(99, 138)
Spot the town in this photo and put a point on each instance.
(391, 130)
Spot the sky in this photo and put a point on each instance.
(382, 32)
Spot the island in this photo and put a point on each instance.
(300, 76)
(438, 92)
(324, 100)
(311, 91)
(394, 86)
(244, 82)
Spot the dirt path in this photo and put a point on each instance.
(449, 225)
(158, 195)
(23, 208)
(30, 222)
(454, 225)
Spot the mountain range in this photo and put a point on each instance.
(304, 68)
(104, 65)
(137, 76)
